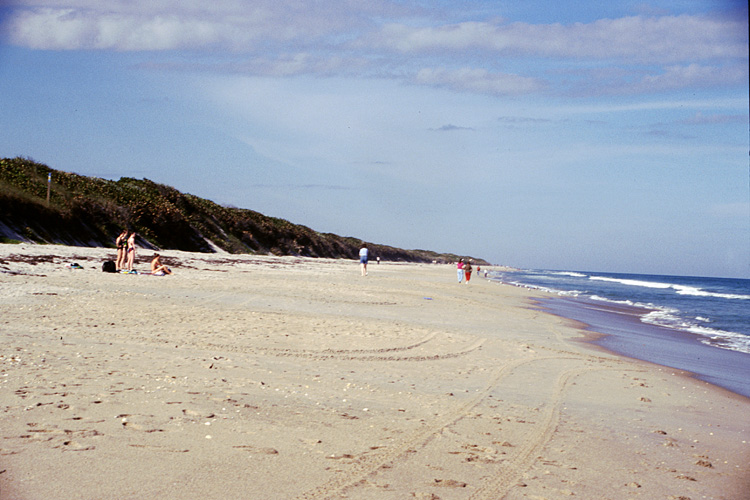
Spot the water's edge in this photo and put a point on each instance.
(624, 334)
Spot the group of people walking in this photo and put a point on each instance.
(465, 269)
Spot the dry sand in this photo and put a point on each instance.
(280, 378)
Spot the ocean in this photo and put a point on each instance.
(696, 324)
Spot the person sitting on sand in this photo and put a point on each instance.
(157, 267)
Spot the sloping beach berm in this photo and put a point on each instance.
(275, 378)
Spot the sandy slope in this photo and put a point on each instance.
(263, 377)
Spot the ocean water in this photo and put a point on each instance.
(696, 324)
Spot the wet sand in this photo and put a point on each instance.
(623, 332)
(270, 377)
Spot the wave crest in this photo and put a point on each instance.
(679, 289)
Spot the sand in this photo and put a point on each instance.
(289, 378)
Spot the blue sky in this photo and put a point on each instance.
(586, 135)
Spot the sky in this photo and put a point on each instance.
(572, 135)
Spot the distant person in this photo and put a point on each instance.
(121, 243)
(460, 269)
(378, 259)
(131, 252)
(157, 268)
(467, 271)
(363, 259)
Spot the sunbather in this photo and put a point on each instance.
(157, 267)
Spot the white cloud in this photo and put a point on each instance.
(282, 38)
(651, 105)
(477, 80)
(692, 75)
(56, 29)
(170, 25)
(663, 39)
(451, 128)
(656, 80)
(237, 24)
(301, 63)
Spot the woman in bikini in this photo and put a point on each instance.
(131, 251)
(157, 268)
(121, 244)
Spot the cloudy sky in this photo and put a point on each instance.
(585, 135)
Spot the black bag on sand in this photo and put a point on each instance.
(109, 267)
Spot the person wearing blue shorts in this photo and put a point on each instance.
(363, 259)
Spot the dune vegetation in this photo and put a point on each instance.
(88, 211)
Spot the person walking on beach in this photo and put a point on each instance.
(467, 271)
(121, 244)
(131, 252)
(363, 259)
(460, 268)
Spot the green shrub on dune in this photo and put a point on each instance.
(89, 211)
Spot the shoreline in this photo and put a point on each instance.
(621, 332)
(219, 380)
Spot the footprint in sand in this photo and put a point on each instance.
(158, 448)
(129, 422)
(450, 483)
(74, 446)
(137, 427)
(197, 414)
(257, 450)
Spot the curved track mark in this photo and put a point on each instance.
(346, 355)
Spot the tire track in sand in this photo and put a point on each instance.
(380, 350)
(348, 356)
(365, 466)
(513, 469)
(380, 354)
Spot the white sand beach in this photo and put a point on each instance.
(290, 378)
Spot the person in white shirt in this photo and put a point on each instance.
(363, 259)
